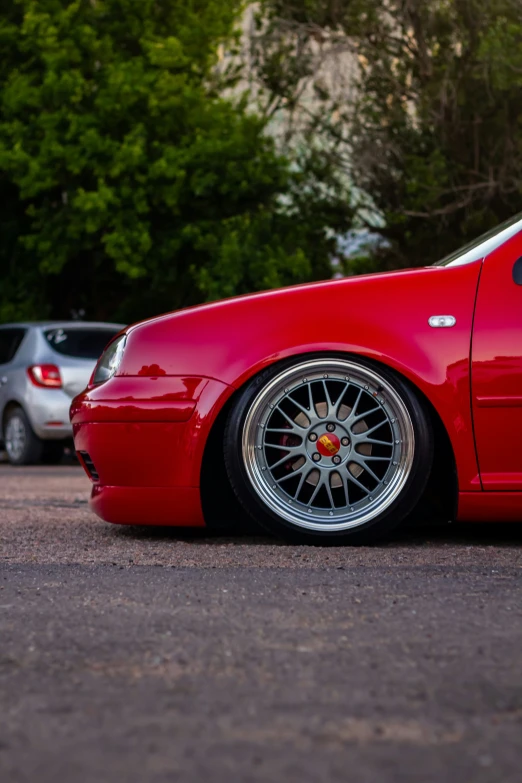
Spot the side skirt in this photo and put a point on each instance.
(490, 507)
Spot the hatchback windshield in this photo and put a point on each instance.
(79, 343)
(484, 244)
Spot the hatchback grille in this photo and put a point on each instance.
(89, 466)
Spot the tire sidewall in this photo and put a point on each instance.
(33, 445)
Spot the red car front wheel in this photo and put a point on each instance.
(328, 449)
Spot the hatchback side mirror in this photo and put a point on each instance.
(517, 272)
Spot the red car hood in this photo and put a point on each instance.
(276, 294)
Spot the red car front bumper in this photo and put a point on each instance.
(141, 441)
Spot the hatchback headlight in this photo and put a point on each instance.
(110, 360)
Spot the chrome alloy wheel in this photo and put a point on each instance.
(328, 445)
(15, 437)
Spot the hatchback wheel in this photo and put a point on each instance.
(23, 447)
(328, 450)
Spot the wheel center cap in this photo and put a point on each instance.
(328, 444)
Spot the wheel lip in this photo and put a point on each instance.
(17, 453)
(375, 508)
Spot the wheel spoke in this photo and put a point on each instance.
(329, 492)
(283, 430)
(372, 459)
(293, 424)
(301, 407)
(376, 442)
(356, 403)
(311, 401)
(282, 461)
(316, 490)
(359, 461)
(362, 436)
(351, 477)
(344, 479)
(317, 405)
(331, 408)
(292, 474)
(355, 419)
(339, 402)
(302, 480)
(282, 448)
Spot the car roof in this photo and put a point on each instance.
(62, 324)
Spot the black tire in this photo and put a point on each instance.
(52, 452)
(31, 451)
(240, 453)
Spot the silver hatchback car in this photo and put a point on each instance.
(43, 365)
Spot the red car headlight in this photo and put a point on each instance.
(110, 360)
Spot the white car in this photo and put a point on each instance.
(43, 365)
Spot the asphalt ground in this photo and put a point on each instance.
(140, 654)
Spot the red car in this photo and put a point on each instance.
(329, 412)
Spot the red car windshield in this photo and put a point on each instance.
(484, 244)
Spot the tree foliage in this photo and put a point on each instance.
(431, 133)
(131, 184)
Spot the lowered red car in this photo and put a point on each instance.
(328, 412)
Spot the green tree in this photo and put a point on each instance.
(133, 185)
(431, 133)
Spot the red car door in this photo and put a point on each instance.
(497, 368)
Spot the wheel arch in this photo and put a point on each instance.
(9, 406)
(438, 502)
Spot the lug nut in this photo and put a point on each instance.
(336, 460)
(312, 437)
(345, 441)
(330, 427)
(316, 457)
